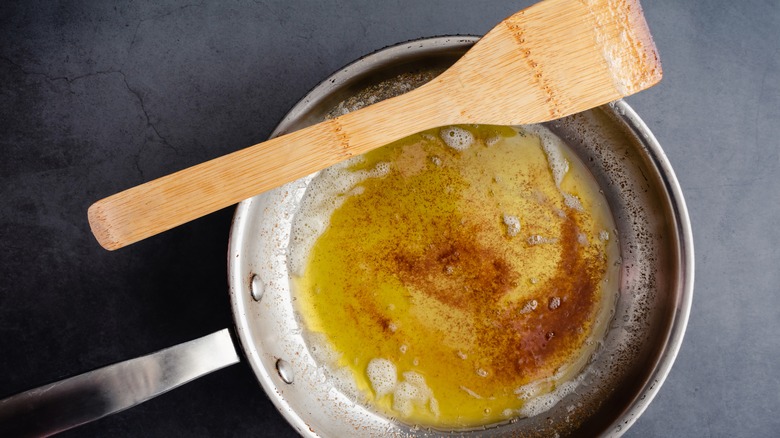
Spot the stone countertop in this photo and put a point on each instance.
(96, 97)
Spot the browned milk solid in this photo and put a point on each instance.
(463, 275)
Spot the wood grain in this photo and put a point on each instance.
(553, 59)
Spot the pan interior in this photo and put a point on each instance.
(655, 264)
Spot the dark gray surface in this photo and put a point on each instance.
(95, 98)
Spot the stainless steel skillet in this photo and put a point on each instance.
(637, 353)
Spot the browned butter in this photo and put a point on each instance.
(462, 275)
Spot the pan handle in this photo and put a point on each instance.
(68, 403)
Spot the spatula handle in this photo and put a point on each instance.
(172, 200)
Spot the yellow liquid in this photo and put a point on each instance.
(466, 270)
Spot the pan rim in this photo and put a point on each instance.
(682, 227)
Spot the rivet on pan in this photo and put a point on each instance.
(257, 288)
(285, 370)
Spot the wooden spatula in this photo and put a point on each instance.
(553, 59)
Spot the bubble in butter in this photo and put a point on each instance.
(461, 275)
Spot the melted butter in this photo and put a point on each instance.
(467, 274)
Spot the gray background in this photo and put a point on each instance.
(95, 98)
